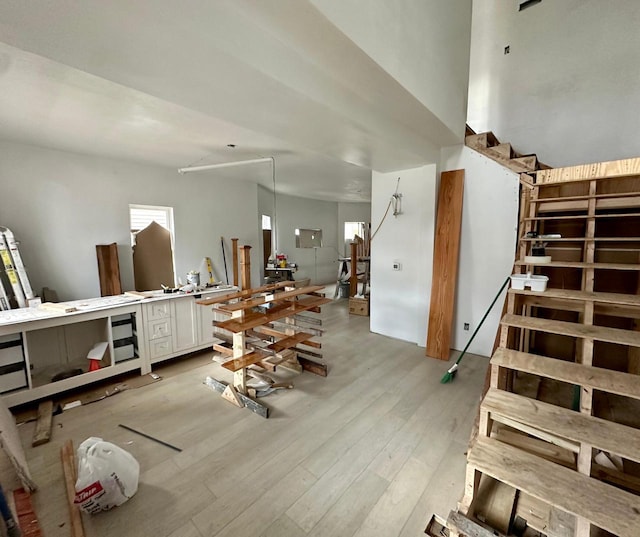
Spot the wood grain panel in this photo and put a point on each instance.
(445, 264)
(109, 269)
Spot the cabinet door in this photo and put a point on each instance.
(206, 330)
(184, 320)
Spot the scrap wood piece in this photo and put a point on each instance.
(68, 457)
(269, 298)
(42, 433)
(12, 446)
(244, 294)
(445, 264)
(249, 403)
(27, 519)
(244, 361)
(290, 341)
(495, 504)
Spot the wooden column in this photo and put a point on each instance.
(353, 280)
(240, 376)
(234, 248)
(245, 266)
(445, 264)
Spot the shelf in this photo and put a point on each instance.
(598, 378)
(570, 294)
(603, 505)
(583, 265)
(586, 196)
(563, 328)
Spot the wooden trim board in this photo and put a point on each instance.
(445, 264)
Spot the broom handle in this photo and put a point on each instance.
(486, 314)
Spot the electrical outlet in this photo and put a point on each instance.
(397, 265)
(466, 326)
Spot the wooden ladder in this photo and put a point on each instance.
(583, 331)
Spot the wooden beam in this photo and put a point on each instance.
(68, 457)
(466, 527)
(42, 433)
(353, 280)
(445, 264)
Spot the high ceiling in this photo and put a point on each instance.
(173, 83)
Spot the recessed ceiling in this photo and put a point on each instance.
(161, 84)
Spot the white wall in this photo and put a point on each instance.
(351, 212)
(319, 264)
(487, 244)
(60, 205)
(400, 299)
(423, 44)
(568, 89)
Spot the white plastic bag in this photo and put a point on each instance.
(107, 476)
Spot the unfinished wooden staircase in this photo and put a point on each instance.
(560, 424)
(487, 144)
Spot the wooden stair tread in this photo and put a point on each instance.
(236, 364)
(258, 301)
(570, 294)
(582, 428)
(579, 239)
(598, 378)
(252, 320)
(582, 264)
(605, 506)
(600, 333)
(481, 141)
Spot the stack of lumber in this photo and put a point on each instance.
(559, 425)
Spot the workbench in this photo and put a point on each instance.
(37, 345)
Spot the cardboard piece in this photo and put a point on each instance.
(153, 258)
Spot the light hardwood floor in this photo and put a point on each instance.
(372, 450)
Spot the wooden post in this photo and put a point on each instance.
(353, 281)
(234, 248)
(245, 266)
(240, 376)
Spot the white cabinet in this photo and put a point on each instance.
(206, 330)
(184, 323)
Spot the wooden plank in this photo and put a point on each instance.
(597, 378)
(569, 294)
(27, 519)
(466, 527)
(603, 505)
(495, 503)
(244, 294)
(353, 278)
(245, 266)
(581, 216)
(238, 363)
(550, 326)
(256, 319)
(42, 433)
(313, 367)
(108, 269)
(249, 403)
(258, 301)
(290, 341)
(445, 264)
(532, 445)
(223, 349)
(586, 172)
(68, 457)
(602, 434)
(234, 252)
(582, 265)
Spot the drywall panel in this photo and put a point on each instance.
(423, 44)
(60, 205)
(292, 212)
(487, 243)
(351, 212)
(400, 298)
(568, 89)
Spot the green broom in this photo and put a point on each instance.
(451, 373)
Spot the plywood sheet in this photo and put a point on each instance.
(445, 263)
(153, 258)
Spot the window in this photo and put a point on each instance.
(266, 221)
(140, 216)
(351, 229)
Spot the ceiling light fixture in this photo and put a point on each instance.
(205, 167)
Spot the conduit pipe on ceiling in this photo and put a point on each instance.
(205, 167)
